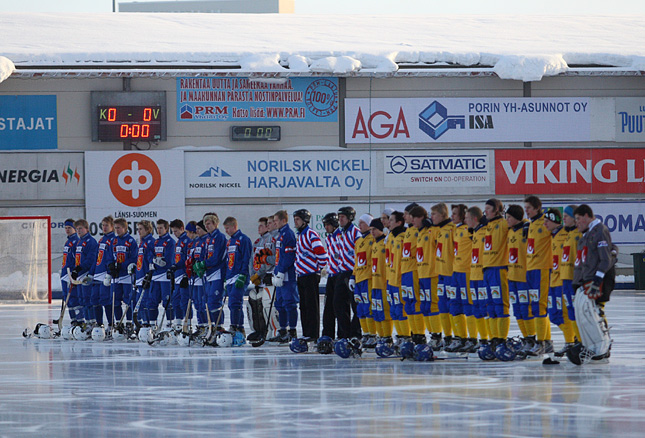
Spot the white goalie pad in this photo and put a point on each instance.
(265, 293)
(593, 328)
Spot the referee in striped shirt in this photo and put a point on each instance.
(310, 259)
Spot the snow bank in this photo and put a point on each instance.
(518, 47)
(6, 68)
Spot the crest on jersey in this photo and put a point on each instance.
(407, 246)
(475, 256)
(139, 262)
(488, 243)
(556, 262)
(565, 254)
(439, 249)
(513, 256)
(530, 246)
(419, 254)
(99, 258)
(362, 258)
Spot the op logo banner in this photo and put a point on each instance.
(244, 99)
(468, 120)
(135, 186)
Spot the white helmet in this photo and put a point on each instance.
(43, 331)
(80, 334)
(183, 339)
(66, 333)
(224, 339)
(171, 338)
(117, 335)
(144, 333)
(98, 334)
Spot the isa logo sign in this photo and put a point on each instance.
(28, 123)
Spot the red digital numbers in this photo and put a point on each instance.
(129, 122)
(134, 131)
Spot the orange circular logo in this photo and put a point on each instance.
(135, 180)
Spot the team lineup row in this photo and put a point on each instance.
(454, 274)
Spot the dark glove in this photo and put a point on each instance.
(592, 290)
(268, 280)
(145, 284)
(75, 272)
(255, 279)
(240, 281)
(170, 273)
(113, 269)
(184, 283)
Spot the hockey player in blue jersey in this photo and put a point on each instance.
(84, 260)
(143, 277)
(286, 299)
(124, 253)
(164, 249)
(214, 264)
(102, 293)
(199, 291)
(178, 271)
(238, 249)
(68, 263)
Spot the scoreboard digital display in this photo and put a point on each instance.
(255, 133)
(129, 123)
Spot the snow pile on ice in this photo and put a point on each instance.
(6, 68)
(517, 47)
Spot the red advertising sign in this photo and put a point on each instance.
(569, 171)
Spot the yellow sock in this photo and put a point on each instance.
(492, 327)
(417, 324)
(567, 330)
(364, 326)
(459, 323)
(446, 326)
(543, 329)
(397, 327)
(503, 326)
(530, 326)
(520, 324)
(482, 328)
(371, 326)
(386, 326)
(379, 328)
(405, 328)
(575, 329)
(471, 321)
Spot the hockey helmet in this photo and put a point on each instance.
(325, 345)
(224, 339)
(406, 349)
(422, 353)
(144, 332)
(118, 335)
(66, 333)
(183, 339)
(348, 212)
(42, 331)
(343, 348)
(80, 334)
(98, 334)
(298, 345)
(384, 348)
(303, 214)
(486, 352)
(330, 219)
(505, 353)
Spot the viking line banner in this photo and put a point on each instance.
(569, 171)
(475, 120)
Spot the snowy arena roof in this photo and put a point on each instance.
(513, 47)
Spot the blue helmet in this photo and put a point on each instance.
(486, 352)
(325, 345)
(422, 353)
(406, 349)
(384, 349)
(299, 345)
(505, 353)
(343, 348)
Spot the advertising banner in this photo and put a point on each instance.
(569, 171)
(28, 122)
(630, 119)
(420, 173)
(277, 174)
(475, 120)
(44, 175)
(135, 186)
(244, 99)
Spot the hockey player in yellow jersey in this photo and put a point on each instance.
(394, 250)
(426, 245)
(518, 289)
(538, 265)
(495, 264)
(477, 223)
(446, 292)
(410, 279)
(461, 307)
(360, 282)
(553, 223)
(569, 252)
(380, 304)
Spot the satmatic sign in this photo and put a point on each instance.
(569, 171)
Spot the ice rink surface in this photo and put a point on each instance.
(57, 388)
